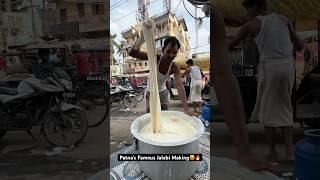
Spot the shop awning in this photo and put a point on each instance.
(304, 13)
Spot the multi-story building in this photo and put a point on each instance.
(20, 22)
(84, 22)
(77, 19)
(167, 24)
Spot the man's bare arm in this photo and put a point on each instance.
(187, 71)
(250, 29)
(138, 54)
(180, 88)
(135, 50)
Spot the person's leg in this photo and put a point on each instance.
(200, 106)
(288, 139)
(194, 107)
(197, 96)
(271, 134)
(147, 102)
(164, 100)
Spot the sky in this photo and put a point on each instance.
(123, 16)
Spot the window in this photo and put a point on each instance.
(97, 9)
(81, 10)
(11, 21)
(129, 66)
(15, 4)
(3, 5)
(19, 22)
(145, 64)
(63, 15)
(135, 64)
(140, 64)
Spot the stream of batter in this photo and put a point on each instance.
(162, 128)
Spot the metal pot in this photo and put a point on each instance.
(175, 170)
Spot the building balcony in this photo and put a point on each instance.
(93, 23)
(75, 24)
(64, 28)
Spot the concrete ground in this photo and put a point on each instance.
(22, 158)
(223, 146)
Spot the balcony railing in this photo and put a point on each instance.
(79, 24)
(64, 28)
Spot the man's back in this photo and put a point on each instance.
(273, 40)
(195, 73)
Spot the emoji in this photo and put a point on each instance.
(192, 157)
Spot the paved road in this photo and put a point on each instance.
(22, 158)
(223, 146)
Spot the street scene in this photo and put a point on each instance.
(263, 103)
(182, 22)
(286, 159)
(54, 80)
(235, 82)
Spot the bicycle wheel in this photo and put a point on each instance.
(66, 129)
(139, 96)
(96, 114)
(130, 101)
(92, 98)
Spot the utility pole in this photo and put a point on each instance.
(142, 13)
(167, 5)
(44, 26)
(33, 24)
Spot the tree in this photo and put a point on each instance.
(121, 50)
(113, 44)
(119, 47)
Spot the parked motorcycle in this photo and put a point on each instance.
(138, 91)
(41, 102)
(123, 96)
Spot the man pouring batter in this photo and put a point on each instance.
(166, 67)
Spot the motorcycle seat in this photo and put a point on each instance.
(8, 91)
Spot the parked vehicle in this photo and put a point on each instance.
(138, 91)
(123, 96)
(41, 102)
(90, 93)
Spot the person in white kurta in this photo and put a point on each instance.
(275, 39)
(195, 85)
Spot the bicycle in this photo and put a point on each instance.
(92, 94)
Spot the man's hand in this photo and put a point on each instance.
(137, 45)
(189, 113)
(149, 23)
